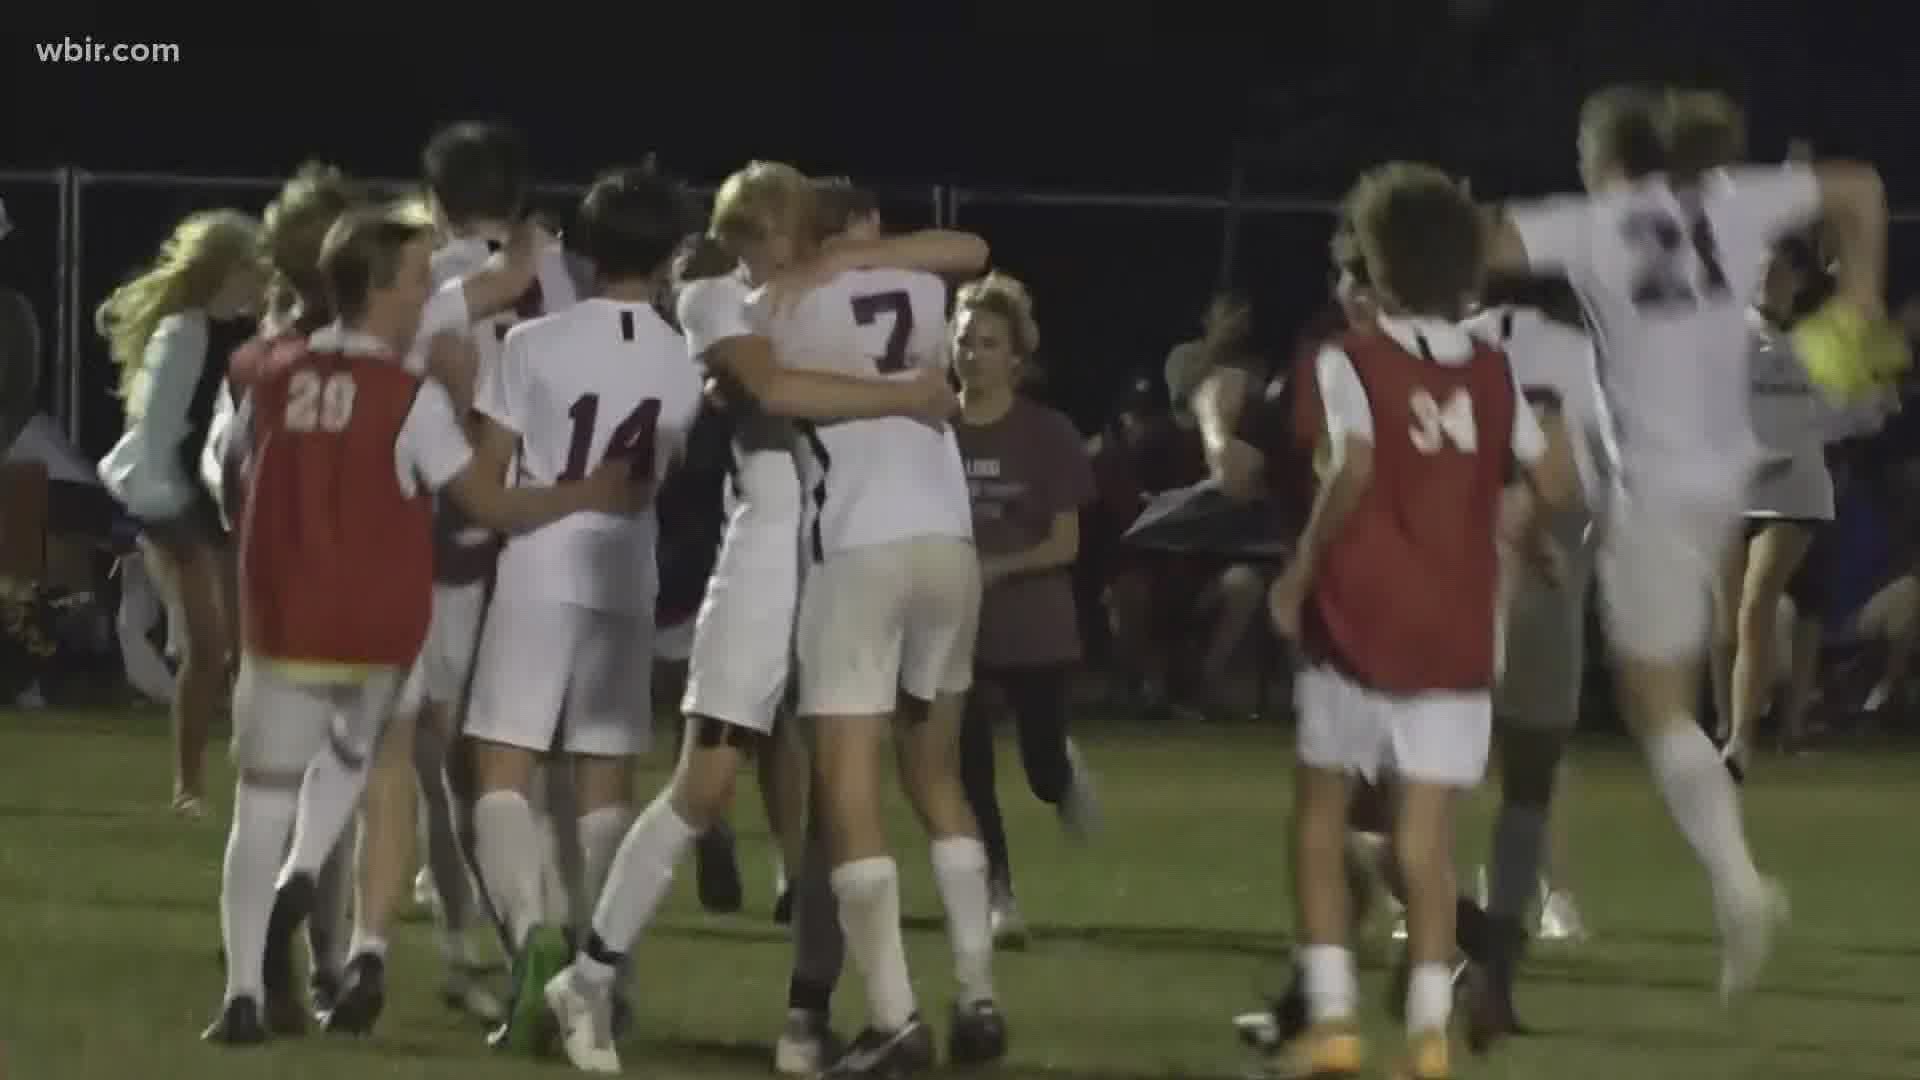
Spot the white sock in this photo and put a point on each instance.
(368, 943)
(262, 820)
(1429, 998)
(637, 881)
(1331, 985)
(1701, 797)
(869, 894)
(329, 794)
(960, 871)
(506, 847)
(601, 832)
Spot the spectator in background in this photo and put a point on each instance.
(1029, 478)
(1226, 338)
(161, 328)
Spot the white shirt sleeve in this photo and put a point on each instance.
(1554, 232)
(431, 449)
(712, 310)
(1349, 415)
(446, 310)
(175, 355)
(1773, 199)
(1529, 441)
(501, 391)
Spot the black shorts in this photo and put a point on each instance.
(1807, 587)
(199, 524)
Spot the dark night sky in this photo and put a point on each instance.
(1009, 94)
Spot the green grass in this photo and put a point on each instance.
(1145, 944)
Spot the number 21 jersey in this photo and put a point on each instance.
(1666, 276)
(603, 378)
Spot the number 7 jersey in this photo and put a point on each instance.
(879, 480)
(602, 379)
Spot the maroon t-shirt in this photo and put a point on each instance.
(1022, 470)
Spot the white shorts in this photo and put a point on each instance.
(542, 660)
(742, 651)
(1545, 636)
(1659, 559)
(453, 637)
(280, 725)
(1437, 738)
(891, 618)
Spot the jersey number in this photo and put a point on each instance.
(317, 402)
(632, 439)
(897, 307)
(1663, 282)
(1436, 425)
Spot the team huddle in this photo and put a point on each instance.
(453, 455)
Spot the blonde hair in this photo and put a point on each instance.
(296, 224)
(1003, 295)
(764, 198)
(197, 259)
(415, 209)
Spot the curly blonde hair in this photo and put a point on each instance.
(1004, 295)
(296, 223)
(196, 260)
(763, 198)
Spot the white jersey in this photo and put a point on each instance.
(881, 480)
(766, 480)
(600, 378)
(1556, 360)
(1666, 277)
(553, 289)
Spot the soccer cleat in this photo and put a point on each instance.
(584, 1013)
(187, 806)
(1560, 919)
(806, 1045)
(544, 955)
(885, 1054)
(1080, 806)
(323, 990)
(1004, 918)
(363, 995)
(465, 990)
(1428, 1058)
(1747, 936)
(237, 1025)
(292, 902)
(1323, 1052)
(978, 1035)
(717, 871)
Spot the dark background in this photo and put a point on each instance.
(995, 98)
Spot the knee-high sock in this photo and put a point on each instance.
(869, 894)
(507, 852)
(262, 820)
(637, 881)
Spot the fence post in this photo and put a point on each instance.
(66, 396)
(1230, 236)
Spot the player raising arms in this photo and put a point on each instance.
(1666, 252)
(336, 552)
(763, 218)
(476, 179)
(1392, 595)
(888, 612)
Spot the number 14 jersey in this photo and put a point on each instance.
(603, 378)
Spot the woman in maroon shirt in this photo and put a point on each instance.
(1029, 477)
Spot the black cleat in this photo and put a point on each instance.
(363, 994)
(1489, 987)
(978, 1036)
(292, 903)
(885, 1055)
(783, 907)
(237, 1025)
(717, 868)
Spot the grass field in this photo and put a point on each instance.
(1145, 944)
